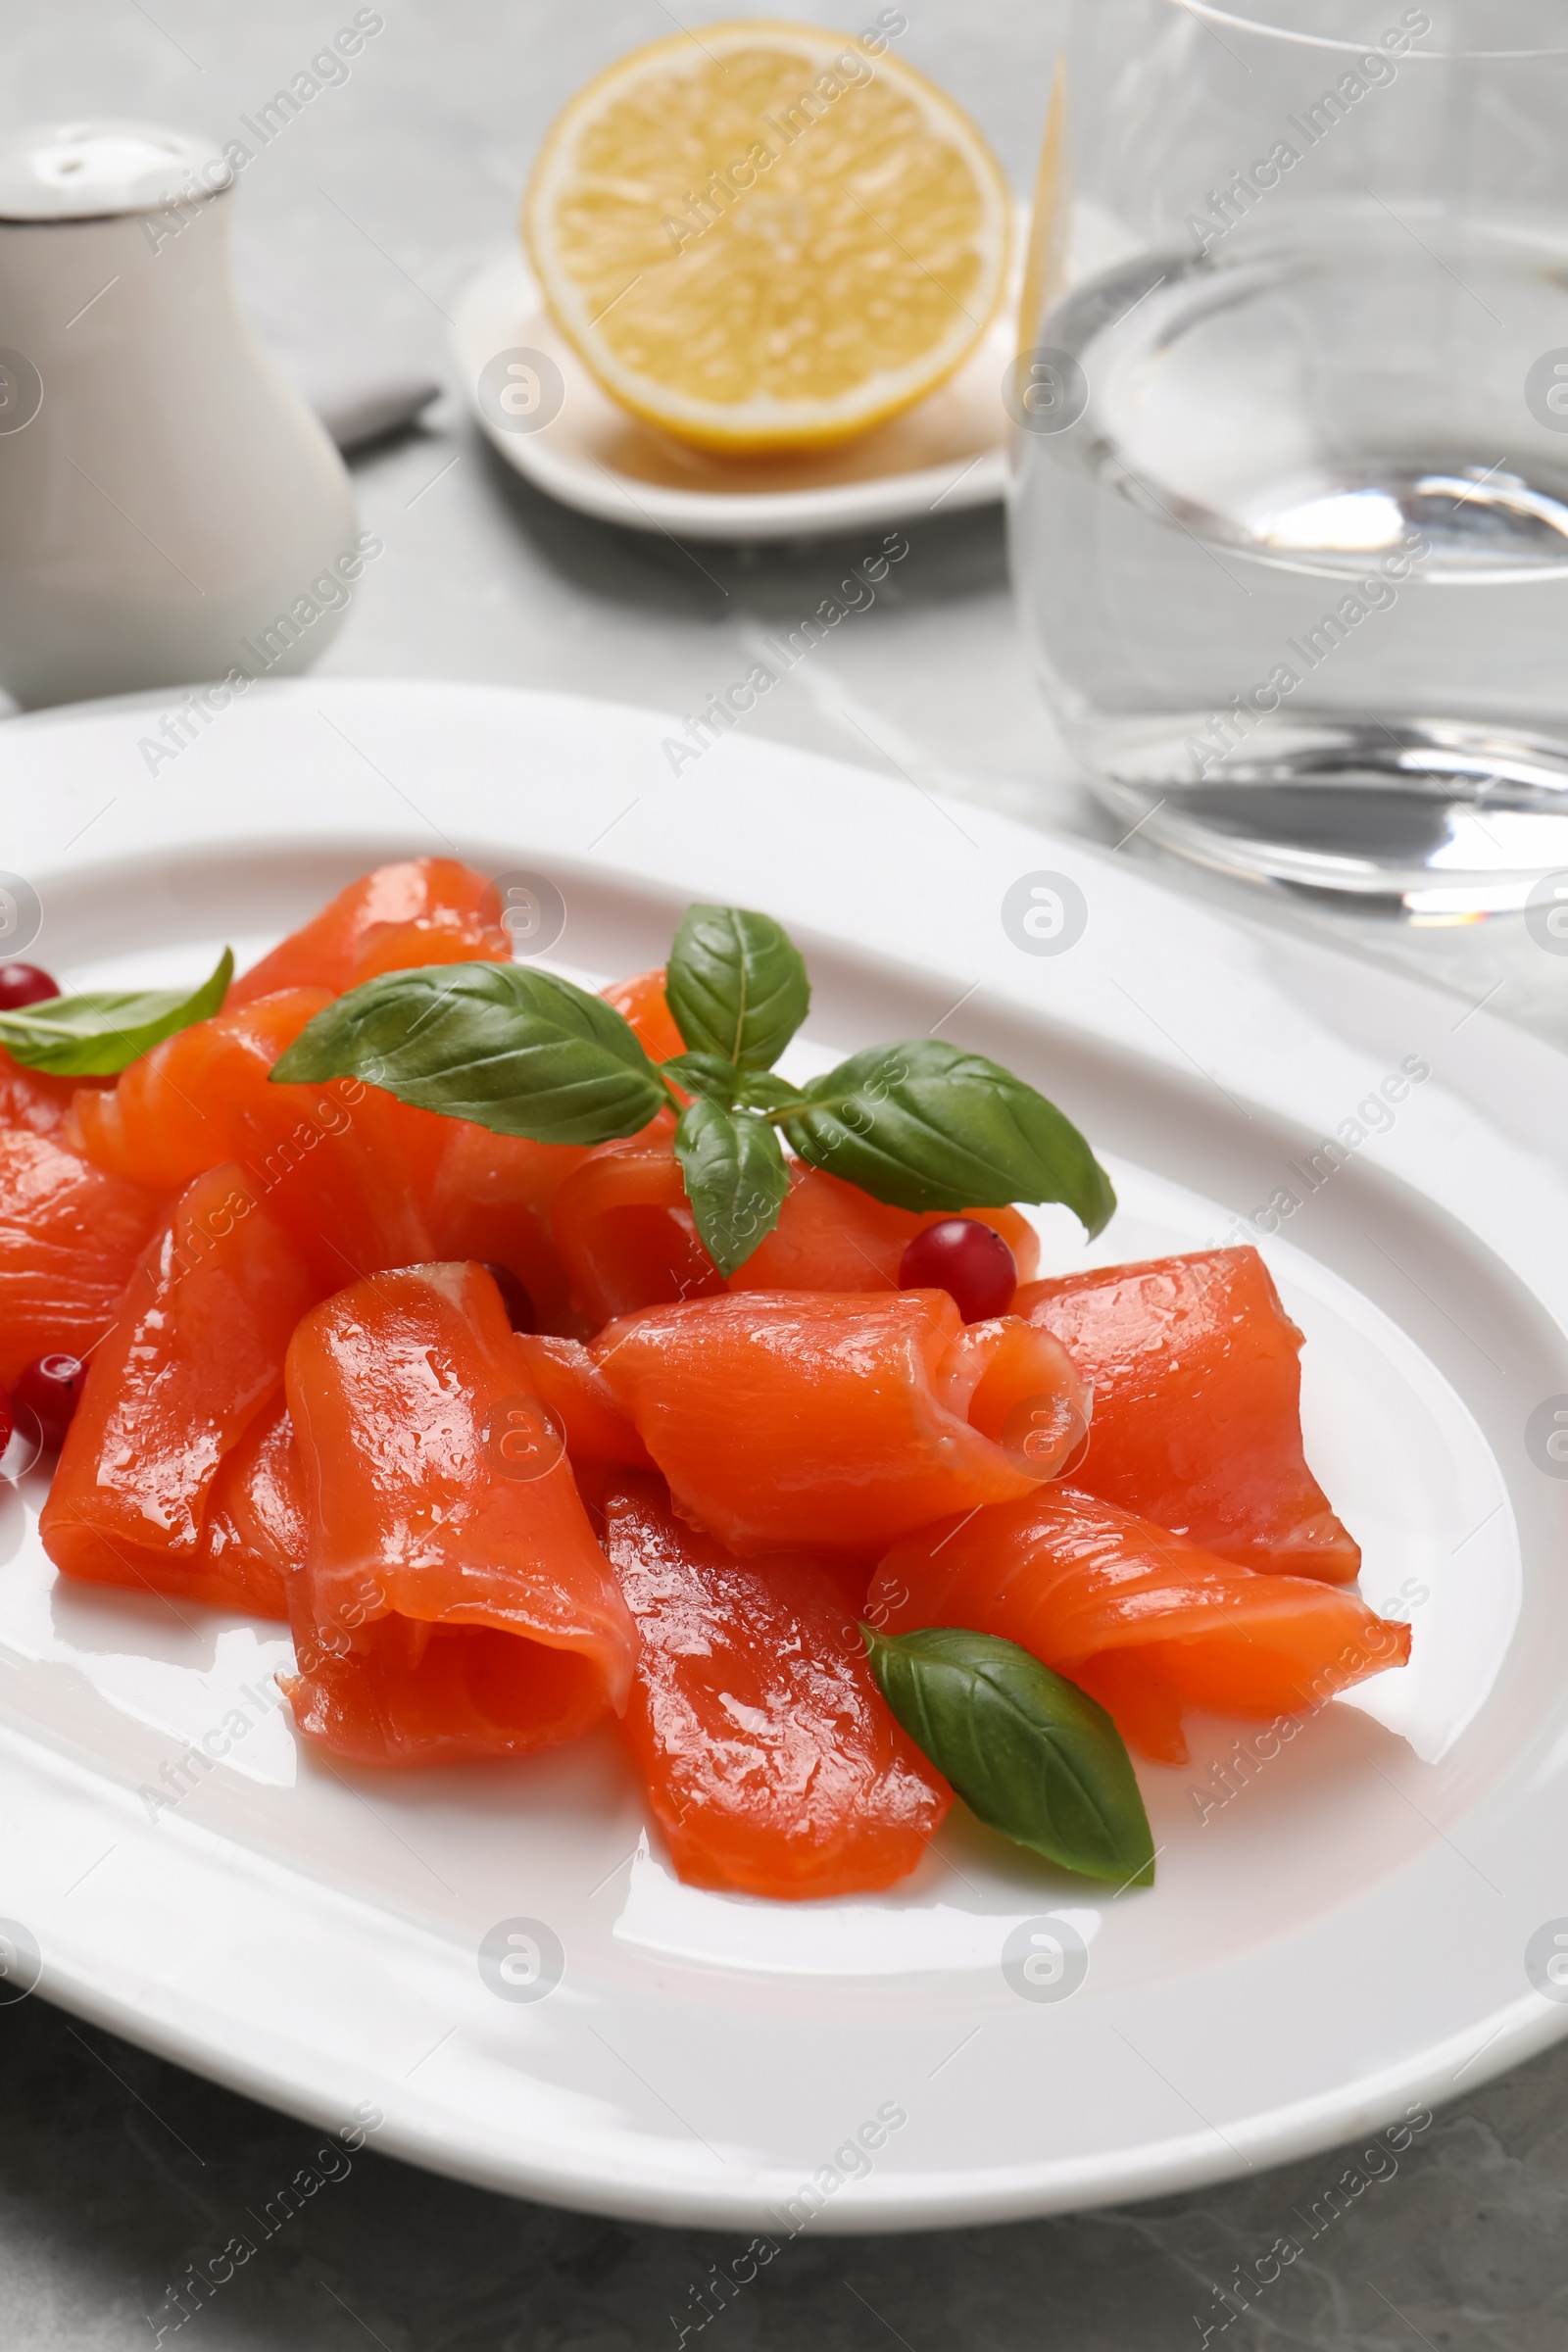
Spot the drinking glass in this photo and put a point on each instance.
(1290, 506)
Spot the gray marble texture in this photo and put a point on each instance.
(379, 202)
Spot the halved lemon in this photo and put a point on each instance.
(763, 236)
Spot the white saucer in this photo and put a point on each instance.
(946, 453)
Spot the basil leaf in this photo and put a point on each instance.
(766, 1090)
(1029, 1752)
(94, 1035)
(736, 1179)
(513, 1049)
(705, 1074)
(927, 1125)
(736, 984)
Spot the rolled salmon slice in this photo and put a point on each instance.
(830, 1235)
(1196, 1376)
(445, 937)
(1146, 1621)
(835, 1420)
(253, 1539)
(342, 1164)
(490, 1198)
(176, 1112)
(194, 1357)
(449, 1550)
(38, 1101)
(395, 1692)
(71, 1236)
(576, 1395)
(628, 1237)
(328, 951)
(771, 1761)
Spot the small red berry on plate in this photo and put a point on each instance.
(24, 984)
(50, 1387)
(513, 1297)
(969, 1260)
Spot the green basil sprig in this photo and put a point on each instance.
(922, 1125)
(929, 1126)
(736, 1179)
(512, 1048)
(736, 985)
(96, 1036)
(1029, 1752)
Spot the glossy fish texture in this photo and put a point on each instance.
(194, 1355)
(1197, 1406)
(434, 1498)
(771, 1761)
(70, 1239)
(834, 1420)
(342, 1164)
(628, 1237)
(253, 1537)
(1146, 1622)
(333, 949)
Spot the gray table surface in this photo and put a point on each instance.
(380, 200)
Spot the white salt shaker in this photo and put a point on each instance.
(169, 509)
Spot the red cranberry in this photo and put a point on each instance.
(969, 1260)
(24, 984)
(51, 1388)
(7, 1424)
(513, 1297)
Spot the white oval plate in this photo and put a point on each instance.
(1341, 1940)
(948, 451)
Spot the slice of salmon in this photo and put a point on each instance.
(574, 1392)
(396, 1692)
(444, 937)
(833, 1419)
(327, 952)
(625, 1234)
(628, 1237)
(1196, 1376)
(491, 1198)
(34, 1100)
(252, 1537)
(1146, 1621)
(178, 1110)
(194, 1355)
(640, 1000)
(771, 1761)
(830, 1235)
(341, 1164)
(432, 1500)
(70, 1239)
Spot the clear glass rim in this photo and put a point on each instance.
(1214, 15)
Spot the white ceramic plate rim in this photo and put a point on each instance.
(1288, 1029)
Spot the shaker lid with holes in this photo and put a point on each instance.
(85, 171)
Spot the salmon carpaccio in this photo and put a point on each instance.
(628, 1237)
(342, 1165)
(837, 1420)
(1195, 1369)
(34, 1100)
(253, 1535)
(453, 1600)
(1145, 1621)
(194, 1355)
(772, 1763)
(71, 1236)
(445, 912)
